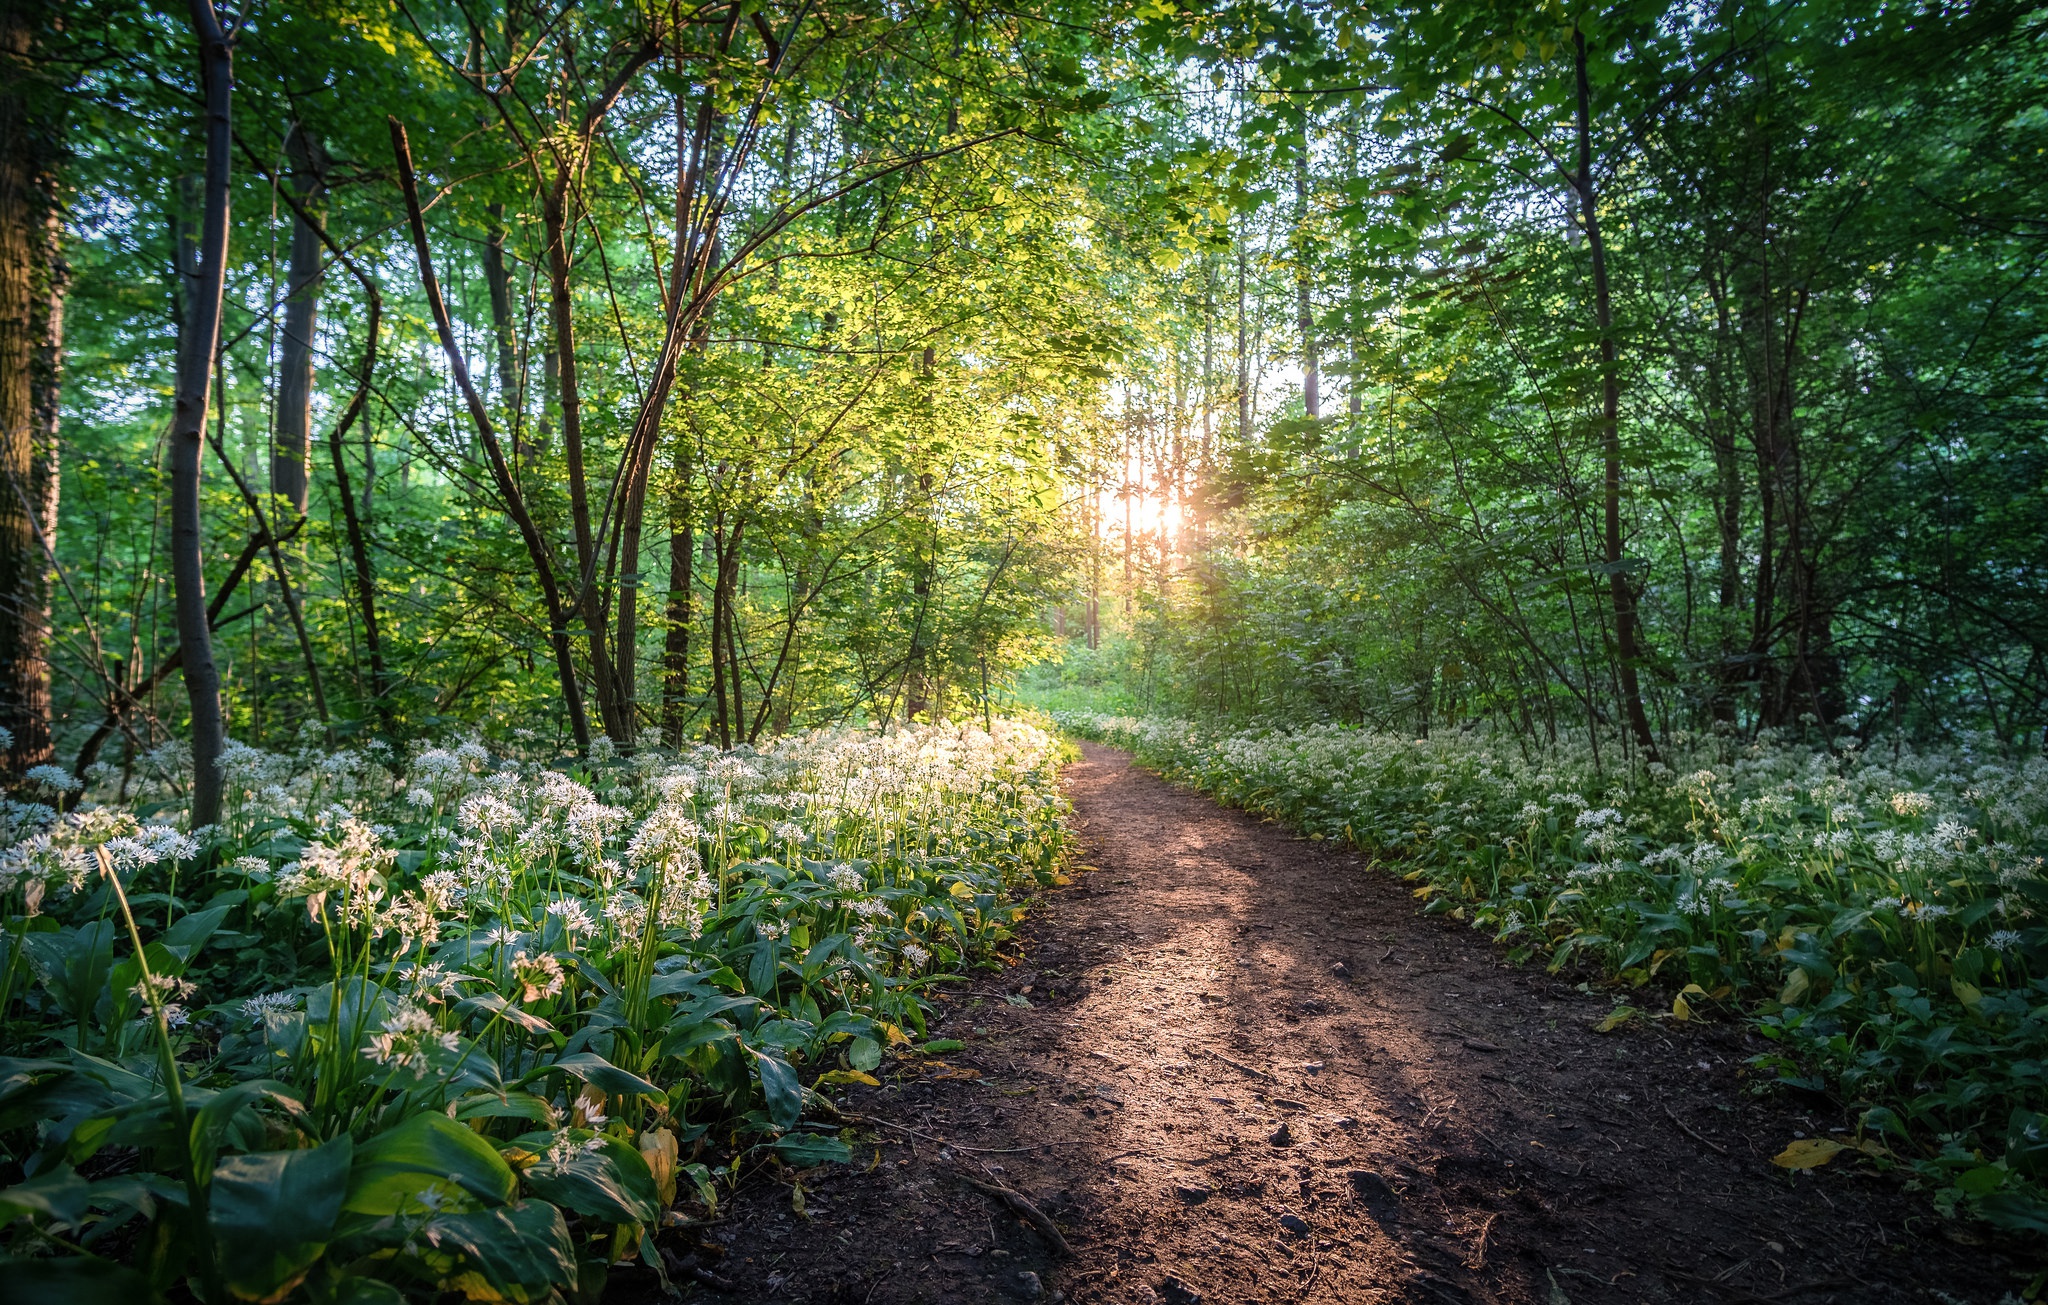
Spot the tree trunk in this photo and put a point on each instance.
(33, 278)
(498, 279)
(358, 543)
(292, 445)
(198, 340)
(682, 550)
(1619, 590)
(1311, 380)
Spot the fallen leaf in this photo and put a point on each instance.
(1807, 1153)
(849, 1076)
(1617, 1017)
(1679, 1009)
(1797, 985)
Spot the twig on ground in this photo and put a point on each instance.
(1024, 1209)
(1239, 1065)
(1687, 1129)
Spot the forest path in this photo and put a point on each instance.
(1250, 1071)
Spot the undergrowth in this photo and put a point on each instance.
(1877, 913)
(458, 1022)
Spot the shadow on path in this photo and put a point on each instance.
(1233, 1066)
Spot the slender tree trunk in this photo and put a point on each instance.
(292, 445)
(498, 281)
(1244, 365)
(204, 281)
(33, 278)
(583, 590)
(682, 552)
(1305, 320)
(719, 598)
(1620, 591)
(365, 577)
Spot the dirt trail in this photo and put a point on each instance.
(1250, 1071)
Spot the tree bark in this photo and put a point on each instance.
(1305, 320)
(498, 279)
(1620, 592)
(33, 279)
(292, 446)
(682, 550)
(198, 340)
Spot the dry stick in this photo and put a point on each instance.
(1239, 1065)
(1686, 1129)
(1024, 1209)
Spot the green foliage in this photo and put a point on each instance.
(447, 1025)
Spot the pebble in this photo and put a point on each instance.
(1280, 1136)
(1192, 1194)
(1340, 971)
(1295, 1224)
(1028, 1283)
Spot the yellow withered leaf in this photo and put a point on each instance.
(849, 1076)
(1617, 1017)
(1797, 985)
(1807, 1153)
(1679, 1010)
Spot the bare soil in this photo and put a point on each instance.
(1233, 1065)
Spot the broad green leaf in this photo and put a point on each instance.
(779, 1087)
(273, 1213)
(59, 1195)
(607, 1077)
(429, 1158)
(519, 1252)
(599, 1178)
(803, 1150)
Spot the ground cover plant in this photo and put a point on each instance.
(460, 1021)
(1878, 912)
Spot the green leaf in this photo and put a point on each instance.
(217, 1116)
(937, 1045)
(427, 1158)
(273, 1213)
(864, 1054)
(607, 1077)
(189, 934)
(491, 1003)
(74, 1281)
(509, 1105)
(604, 1179)
(779, 1087)
(521, 1252)
(2015, 1212)
(73, 964)
(802, 1150)
(58, 1195)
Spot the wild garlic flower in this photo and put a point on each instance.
(846, 879)
(55, 778)
(258, 1008)
(539, 976)
(409, 1039)
(573, 914)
